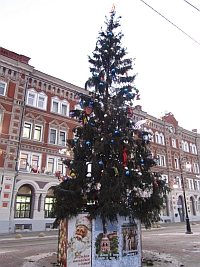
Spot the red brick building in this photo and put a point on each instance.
(34, 126)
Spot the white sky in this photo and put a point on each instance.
(59, 34)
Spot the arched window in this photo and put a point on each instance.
(49, 201)
(23, 202)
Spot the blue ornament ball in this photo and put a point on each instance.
(127, 173)
(100, 163)
(126, 90)
(116, 132)
(112, 141)
(142, 161)
(101, 84)
(110, 34)
(88, 143)
(113, 71)
(75, 140)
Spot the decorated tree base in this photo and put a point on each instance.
(82, 242)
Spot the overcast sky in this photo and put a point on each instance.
(59, 34)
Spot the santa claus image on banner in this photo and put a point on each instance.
(79, 241)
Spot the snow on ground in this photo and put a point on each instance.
(159, 260)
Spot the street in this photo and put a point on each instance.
(170, 243)
(167, 246)
(30, 250)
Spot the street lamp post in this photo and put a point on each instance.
(188, 228)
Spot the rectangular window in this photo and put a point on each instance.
(161, 160)
(49, 202)
(35, 162)
(60, 166)
(173, 142)
(157, 140)
(50, 166)
(2, 88)
(161, 140)
(62, 138)
(31, 99)
(41, 101)
(27, 130)
(198, 185)
(37, 133)
(23, 204)
(176, 163)
(52, 136)
(64, 110)
(23, 162)
(190, 184)
(195, 168)
(178, 182)
(55, 107)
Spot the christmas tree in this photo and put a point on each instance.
(110, 173)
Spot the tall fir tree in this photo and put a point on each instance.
(110, 173)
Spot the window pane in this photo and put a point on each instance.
(23, 161)
(23, 206)
(60, 166)
(49, 206)
(55, 107)
(53, 136)
(35, 162)
(50, 166)
(62, 138)
(37, 133)
(64, 110)
(2, 88)
(31, 98)
(41, 102)
(27, 130)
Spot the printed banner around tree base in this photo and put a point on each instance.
(83, 243)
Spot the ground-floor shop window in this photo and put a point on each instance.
(23, 202)
(49, 202)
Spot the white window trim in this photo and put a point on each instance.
(55, 166)
(190, 182)
(29, 160)
(36, 98)
(176, 162)
(43, 95)
(159, 160)
(178, 182)
(60, 103)
(185, 146)
(197, 182)
(159, 138)
(5, 87)
(173, 142)
(59, 143)
(33, 129)
(29, 138)
(56, 141)
(195, 167)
